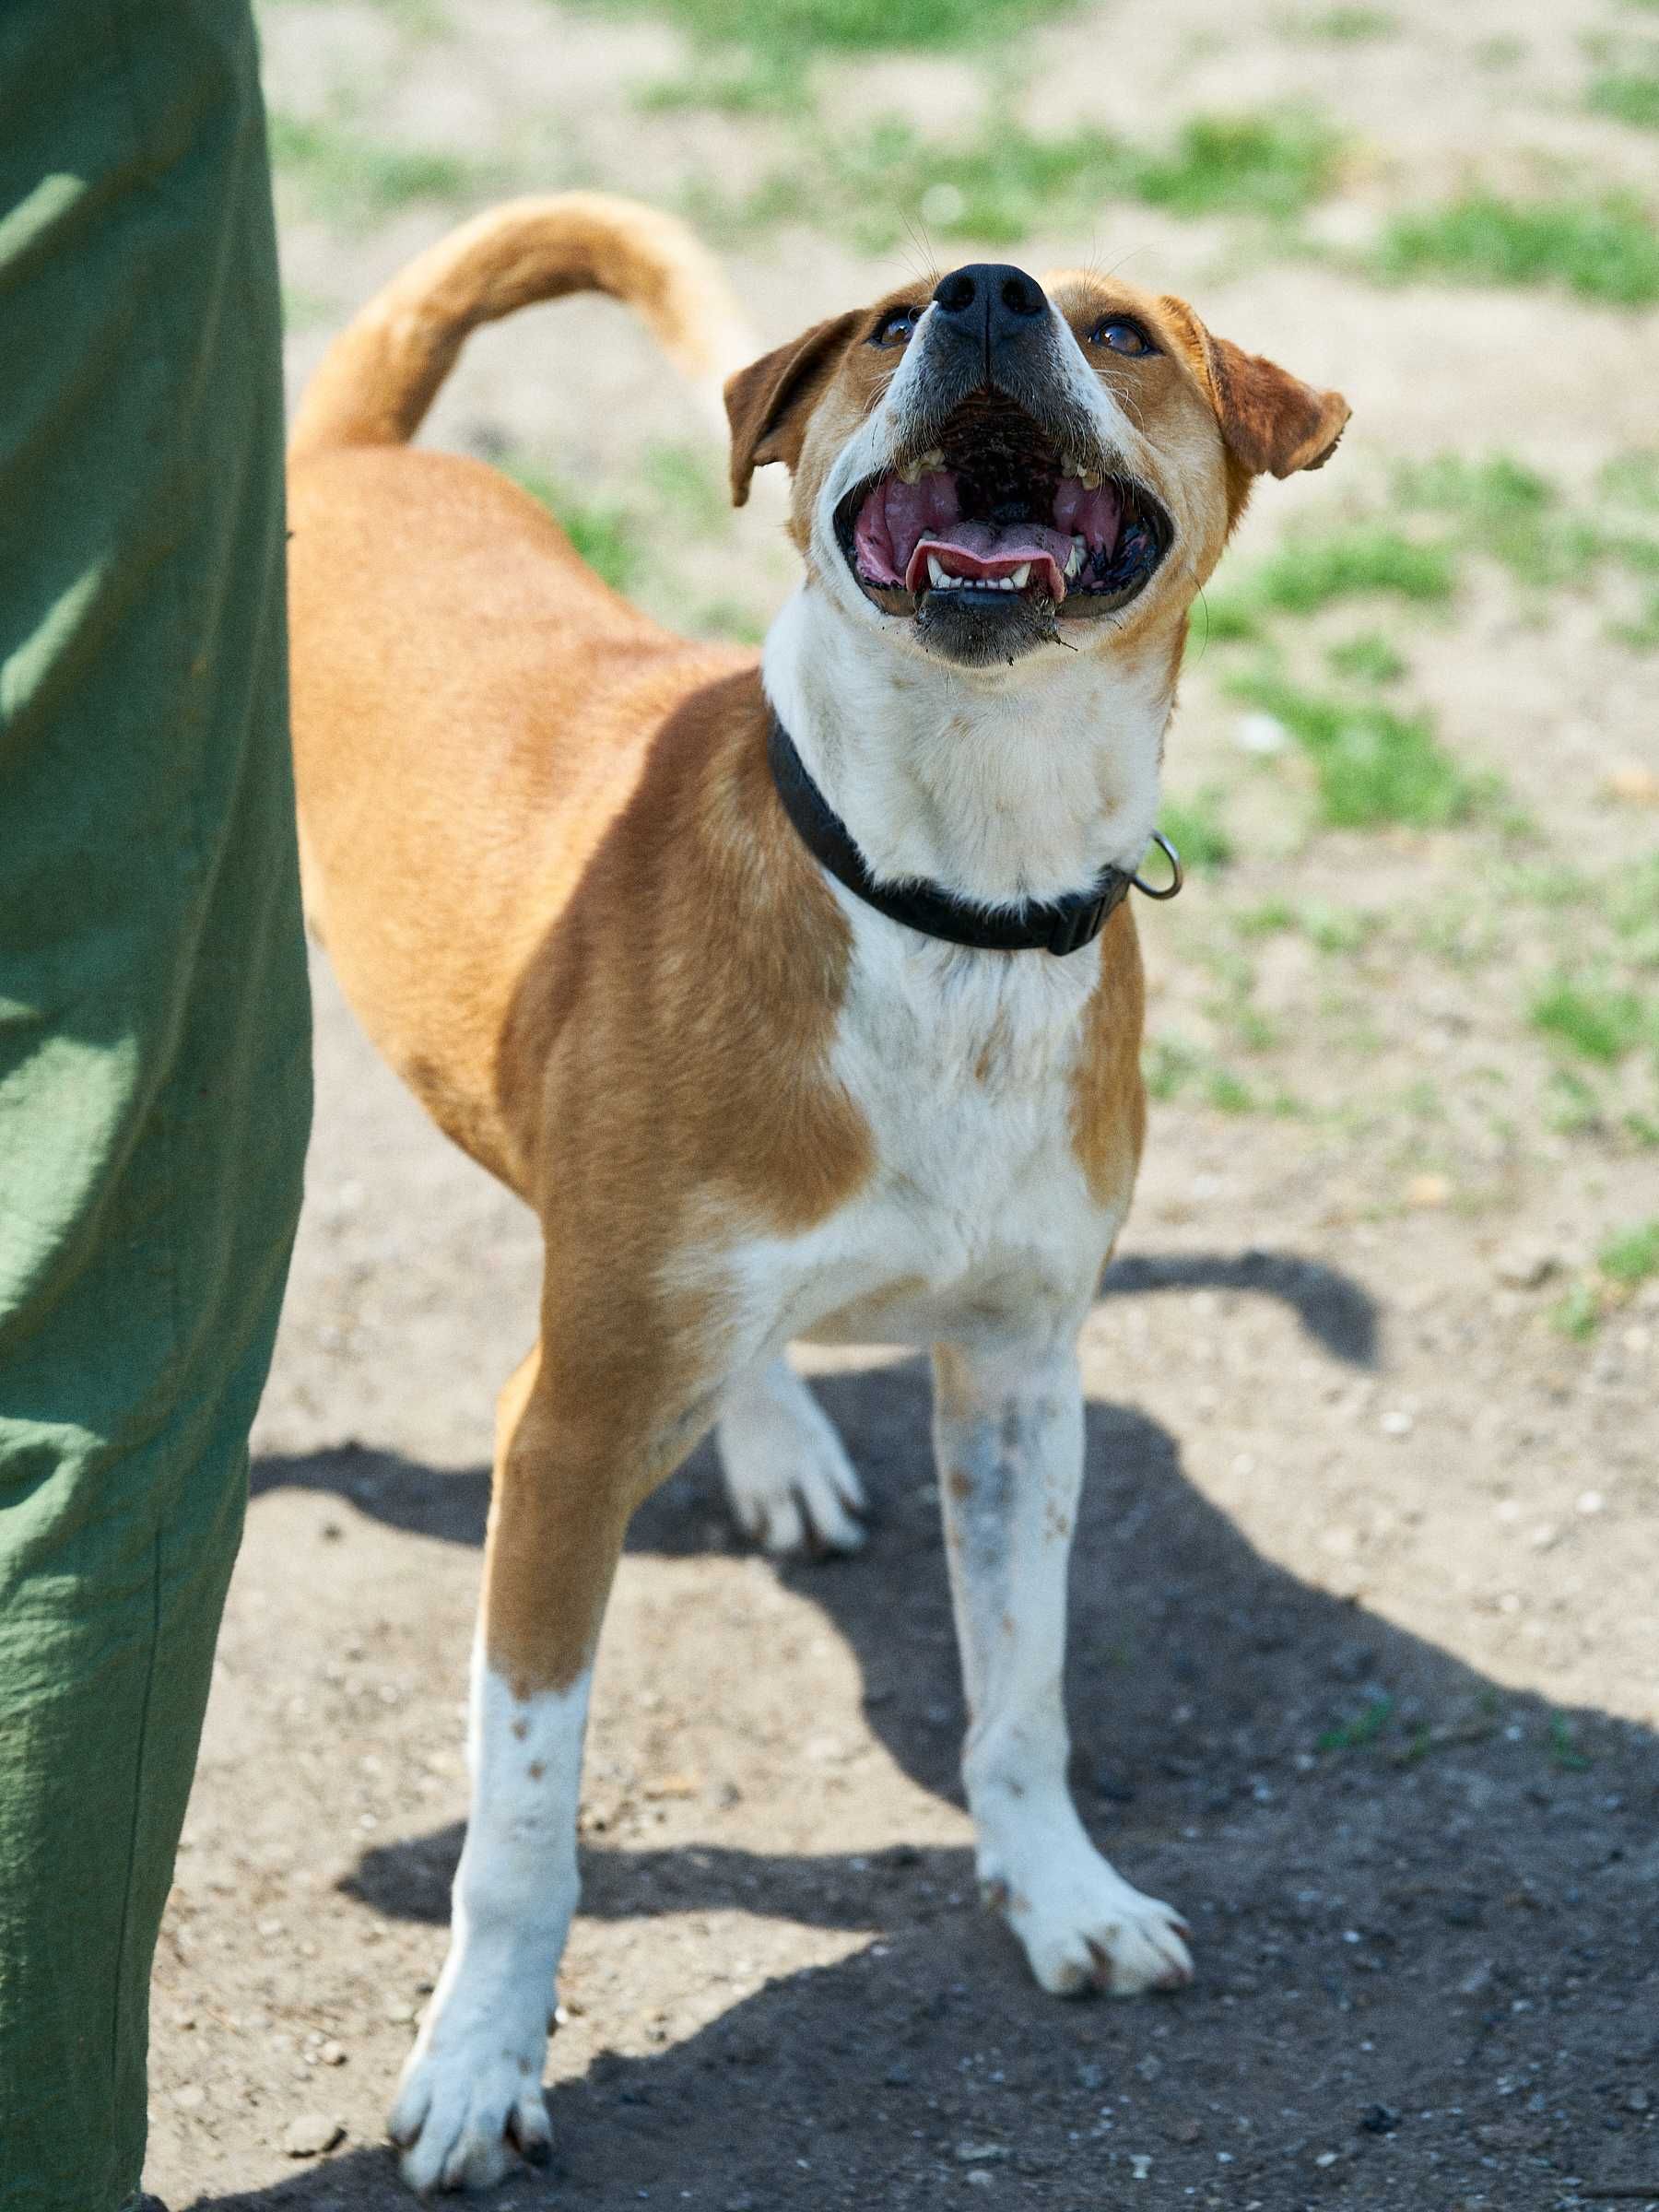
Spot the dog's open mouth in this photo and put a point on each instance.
(996, 509)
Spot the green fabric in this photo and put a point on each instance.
(154, 1027)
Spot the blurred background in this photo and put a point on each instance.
(1367, 1661)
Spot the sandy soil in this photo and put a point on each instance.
(1365, 1669)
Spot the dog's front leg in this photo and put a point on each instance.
(1008, 1434)
(471, 2088)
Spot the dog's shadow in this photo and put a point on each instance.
(1360, 1826)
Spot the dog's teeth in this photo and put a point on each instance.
(932, 459)
(1080, 553)
(910, 472)
(1071, 466)
(1019, 577)
(1091, 479)
(936, 573)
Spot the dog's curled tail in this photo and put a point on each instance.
(382, 373)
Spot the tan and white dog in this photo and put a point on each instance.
(546, 849)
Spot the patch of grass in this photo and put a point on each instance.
(359, 180)
(1336, 929)
(1345, 26)
(598, 529)
(1333, 929)
(727, 619)
(1172, 1068)
(1599, 1021)
(1223, 618)
(735, 81)
(807, 27)
(1628, 95)
(1633, 906)
(1575, 1106)
(1564, 1752)
(1577, 1315)
(1462, 936)
(1168, 1067)
(1241, 164)
(1368, 659)
(1605, 249)
(1507, 509)
(1642, 634)
(1197, 830)
(1270, 919)
(1632, 1256)
(1631, 479)
(1372, 765)
(1233, 1008)
(1368, 558)
(1004, 182)
(1549, 883)
(1495, 485)
(685, 478)
(1363, 1729)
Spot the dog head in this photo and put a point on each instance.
(1005, 465)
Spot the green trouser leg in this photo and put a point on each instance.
(154, 1028)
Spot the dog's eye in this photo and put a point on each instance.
(1122, 337)
(894, 328)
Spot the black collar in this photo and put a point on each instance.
(1056, 925)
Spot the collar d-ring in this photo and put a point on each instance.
(1177, 879)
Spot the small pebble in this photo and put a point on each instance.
(1524, 1266)
(310, 2135)
(1632, 783)
(1261, 734)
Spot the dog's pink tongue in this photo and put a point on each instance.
(976, 549)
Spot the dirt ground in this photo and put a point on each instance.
(1365, 1652)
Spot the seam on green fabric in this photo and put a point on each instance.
(137, 1801)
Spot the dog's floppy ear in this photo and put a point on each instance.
(1270, 420)
(767, 403)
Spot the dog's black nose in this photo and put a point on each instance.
(991, 299)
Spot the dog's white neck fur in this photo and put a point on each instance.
(1024, 783)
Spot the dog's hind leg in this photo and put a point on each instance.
(787, 1473)
(471, 2088)
(1008, 1434)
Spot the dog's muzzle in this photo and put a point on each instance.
(1004, 512)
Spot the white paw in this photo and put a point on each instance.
(1084, 1929)
(790, 1482)
(467, 2102)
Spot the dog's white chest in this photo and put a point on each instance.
(963, 1066)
